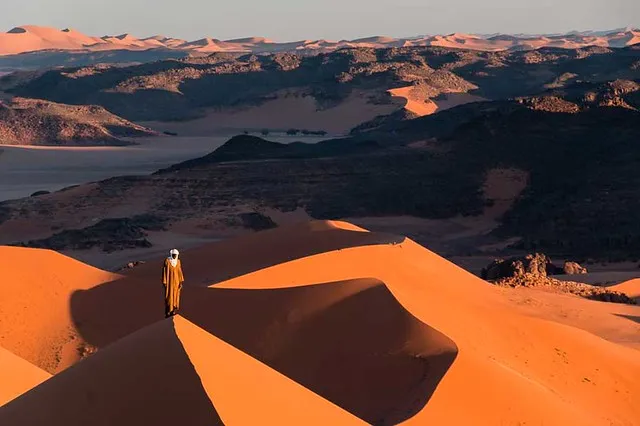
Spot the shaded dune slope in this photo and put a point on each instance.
(351, 342)
(171, 373)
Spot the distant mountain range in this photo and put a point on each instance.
(30, 38)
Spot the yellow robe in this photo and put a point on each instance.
(172, 279)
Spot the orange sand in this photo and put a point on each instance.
(414, 103)
(35, 322)
(376, 324)
(17, 376)
(172, 373)
(631, 288)
(519, 362)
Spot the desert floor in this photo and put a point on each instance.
(25, 170)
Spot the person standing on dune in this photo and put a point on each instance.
(172, 279)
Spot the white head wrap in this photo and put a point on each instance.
(173, 261)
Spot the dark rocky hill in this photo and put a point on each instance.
(38, 122)
(581, 198)
(181, 89)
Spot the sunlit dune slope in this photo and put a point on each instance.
(35, 320)
(17, 376)
(517, 361)
(631, 288)
(171, 373)
(414, 103)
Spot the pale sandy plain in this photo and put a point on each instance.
(325, 323)
(25, 170)
(293, 109)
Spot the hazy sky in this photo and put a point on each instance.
(332, 19)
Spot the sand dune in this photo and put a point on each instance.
(631, 288)
(615, 322)
(30, 38)
(34, 309)
(17, 376)
(414, 103)
(322, 337)
(418, 102)
(92, 309)
(417, 338)
(515, 356)
(172, 373)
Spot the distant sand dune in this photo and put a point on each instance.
(414, 103)
(420, 105)
(31, 38)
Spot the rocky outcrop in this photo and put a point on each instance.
(549, 104)
(533, 270)
(108, 235)
(556, 286)
(132, 265)
(532, 264)
(38, 122)
(537, 264)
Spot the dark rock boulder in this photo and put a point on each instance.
(132, 265)
(534, 264)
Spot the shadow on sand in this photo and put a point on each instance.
(351, 342)
(629, 317)
(144, 379)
